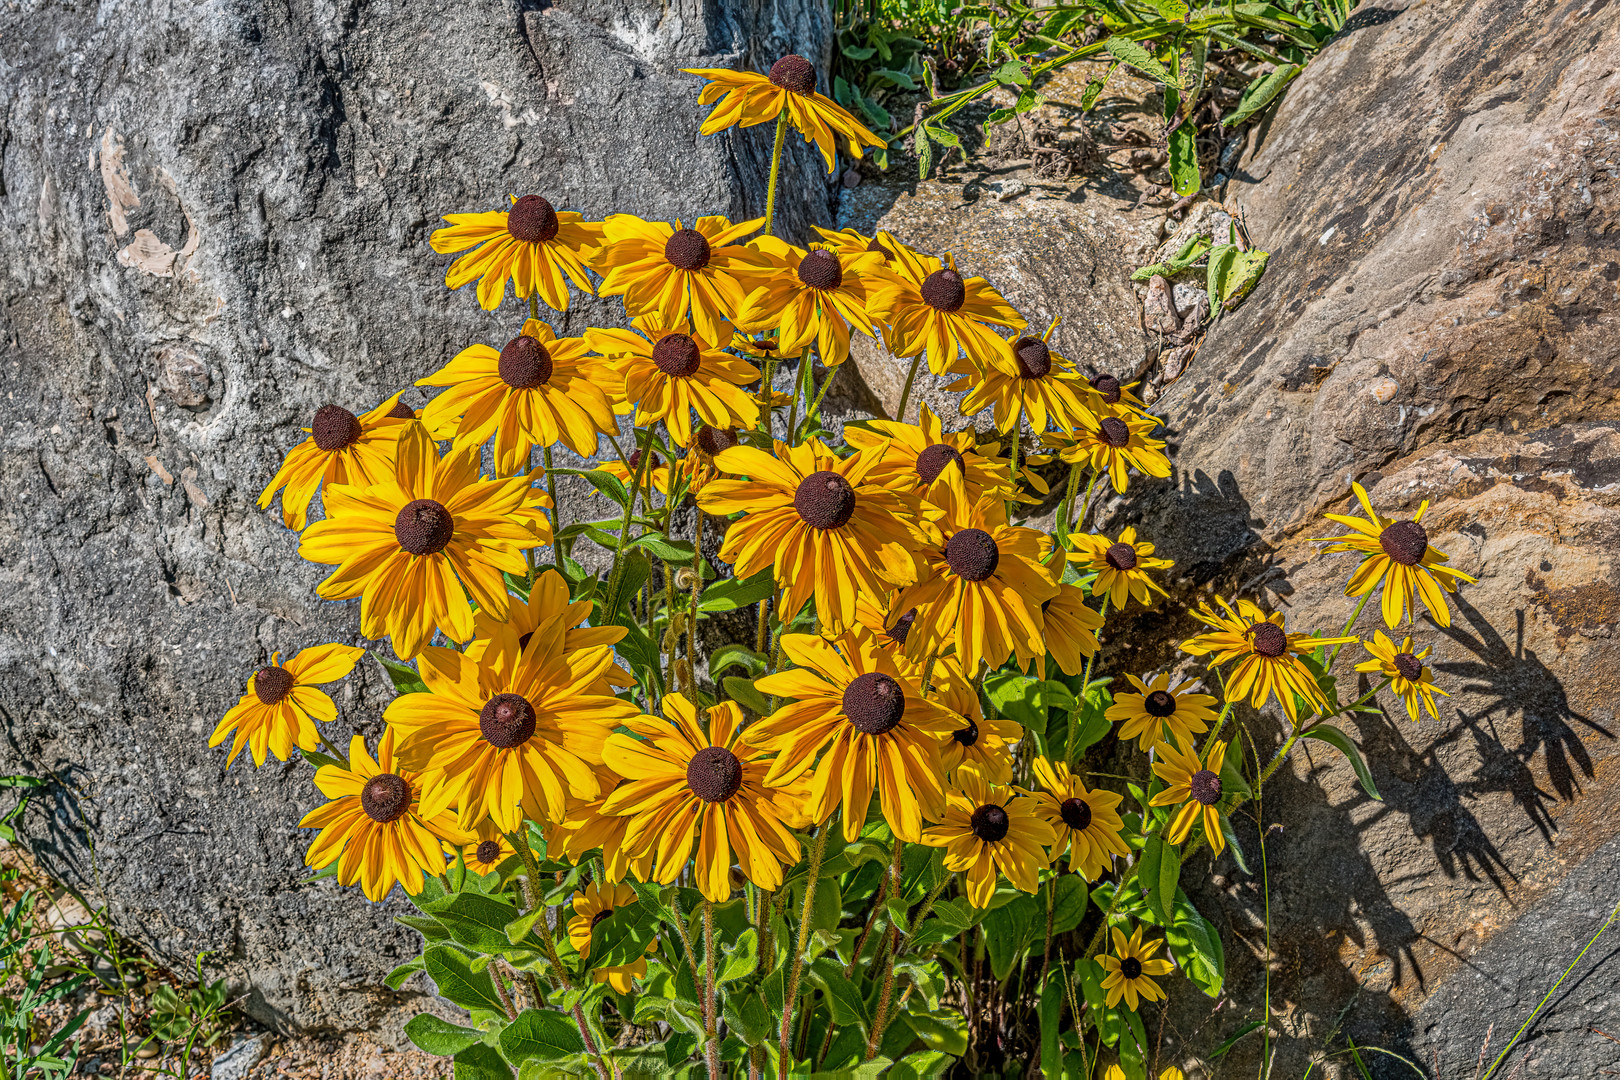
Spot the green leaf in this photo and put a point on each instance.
(1133, 1046)
(731, 594)
(744, 693)
(897, 78)
(474, 920)
(451, 971)
(1238, 276)
(1221, 257)
(1070, 904)
(1009, 929)
(1129, 52)
(1196, 946)
(396, 978)
(1260, 92)
(403, 676)
(1233, 846)
(678, 552)
(1014, 73)
(856, 52)
(734, 654)
(319, 761)
(1232, 782)
(1184, 175)
(748, 1019)
(622, 938)
(1232, 1040)
(430, 928)
(1051, 1025)
(1159, 872)
(925, 153)
(634, 569)
(942, 136)
(742, 959)
(1018, 697)
(541, 1035)
(1341, 742)
(605, 482)
(843, 997)
(440, 1037)
(944, 1031)
(480, 1062)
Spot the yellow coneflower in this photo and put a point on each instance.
(685, 787)
(875, 614)
(1269, 664)
(1070, 628)
(989, 830)
(668, 370)
(813, 296)
(818, 521)
(667, 270)
(486, 851)
(1113, 445)
(1407, 674)
(935, 310)
(1024, 379)
(1159, 712)
(978, 742)
(1130, 969)
(1398, 555)
(1086, 822)
(1121, 566)
(584, 829)
(375, 828)
(1195, 786)
(533, 245)
(548, 611)
(918, 457)
(855, 242)
(699, 467)
(534, 392)
(342, 448)
(747, 98)
(414, 546)
(591, 905)
(851, 700)
(282, 702)
(1104, 394)
(767, 348)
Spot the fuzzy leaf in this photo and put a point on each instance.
(1341, 742)
(541, 1035)
(441, 1038)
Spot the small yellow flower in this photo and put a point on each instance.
(989, 830)
(487, 850)
(277, 713)
(667, 269)
(669, 370)
(813, 296)
(935, 310)
(591, 906)
(1398, 554)
(1025, 380)
(1108, 394)
(1195, 786)
(1405, 669)
(1121, 566)
(532, 245)
(1113, 444)
(1130, 968)
(1158, 712)
(1086, 822)
(342, 448)
(1269, 665)
(920, 457)
(981, 743)
(747, 98)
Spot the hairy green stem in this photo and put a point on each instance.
(711, 1024)
(905, 391)
(1085, 686)
(1354, 615)
(796, 968)
(776, 170)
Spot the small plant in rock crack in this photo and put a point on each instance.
(186, 1019)
(870, 838)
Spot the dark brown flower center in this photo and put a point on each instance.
(989, 823)
(932, 461)
(271, 684)
(902, 627)
(488, 851)
(635, 461)
(1268, 639)
(714, 774)
(968, 736)
(525, 363)
(334, 428)
(820, 270)
(1405, 541)
(972, 554)
(874, 703)
(687, 249)
(944, 290)
(712, 440)
(1206, 787)
(523, 640)
(794, 73)
(1114, 432)
(1410, 667)
(677, 355)
(1034, 358)
(1107, 386)
(1121, 557)
(401, 411)
(824, 500)
(507, 720)
(873, 245)
(1076, 813)
(385, 797)
(1131, 968)
(424, 527)
(600, 915)
(1159, 704)
(532, 220)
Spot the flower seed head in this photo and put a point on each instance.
(1206, 787)
(677, 355)
(506, 721)
(902, 627)
(794, 73)
(424, 527)
(1268, 639)
(989, 823)
(874, 703)
(932, 461)
(599, 916)
(820, 270)
(968, 736)
(525, 363)
(714, 774)
(1405, 541)
(385, 797)
(873, 245)
(334, 428)
(711, 440)
(944, 291)
(635, 461)
(1159, 704)
(824, 500)
(1107, 386)
(1410, 667)
(687, 249)
(1114, 431)
(1131, 967)
(972, 554)
(1034, 358)
(1076, 813)
(272, 684)
(1121, 557)
(532, 220)
(488, 851)
(401, 411)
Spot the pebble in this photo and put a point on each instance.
(238, 1061)
(1382, 389)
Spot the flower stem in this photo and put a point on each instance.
(776, 169)
(798, 390)
(556, 519)
(616, 574)
(1085, 508)
(1085, 686)
(905, 391)
(1282, 752)
(796, 968)
(697, 591)
(1354, 615)
(711, 1025)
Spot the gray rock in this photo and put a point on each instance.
(238, 1061)
(212, 222)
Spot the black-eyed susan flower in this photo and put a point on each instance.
(1194, 786)
(699, 467)
(375, 827)
(979, 742)
(1405, 670)
(1269, 665)
(1159, 712)
(1398, 554)
(855, 242)
(818, 521)
(1121, 566)
(1113, 445)
(536, 391)
(282, 702)
(665, 269)
(669, 370)
(915, 458)
(548, 611)
(813, 296)
(584, 828)
(342, 448)
(933, 309)
(533, 245)
(414, 546)
(488, 849)
(591, 905)
(982, 587)
(989, 830)
(1107, 393)
(873, 731)
(1023, 379)
(1071, 629)
(876, 615)
(510, 735)
(767, 348)
(747, 98)
(686, 787)
(1086, 822)
(1130, 970)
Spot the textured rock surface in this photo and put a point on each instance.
(214, 219)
